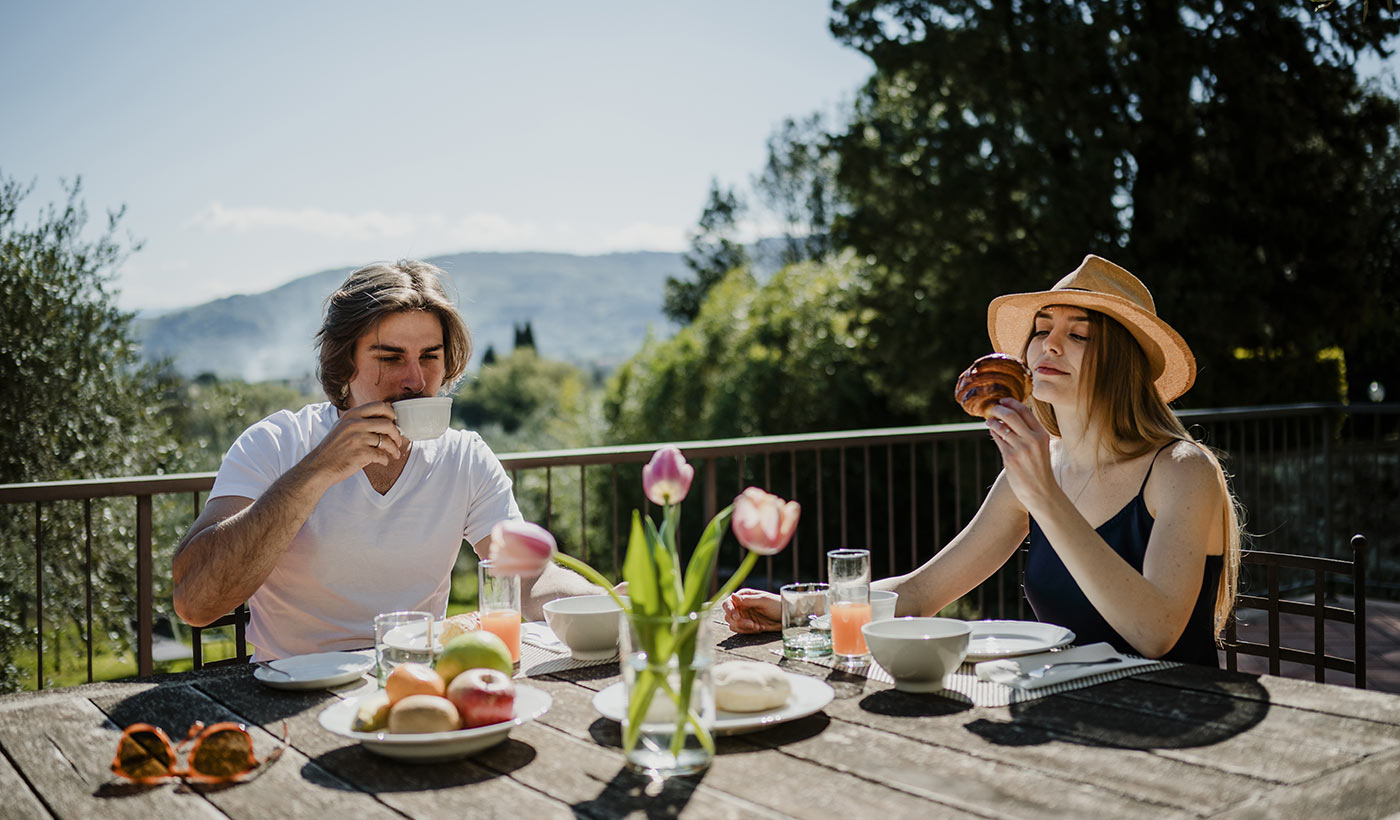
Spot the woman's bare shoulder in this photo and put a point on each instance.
(1184, 467)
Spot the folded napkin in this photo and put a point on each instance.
(1091, 659)
(538, 633)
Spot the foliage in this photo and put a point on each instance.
(786, 356)
(798, 184)
(714, 251)
(526, 401)
(212, 413)
(1227, 154)
(76, 404)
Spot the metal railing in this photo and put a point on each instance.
(1309, 475)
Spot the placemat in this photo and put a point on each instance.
(966, 687)
(541, 653)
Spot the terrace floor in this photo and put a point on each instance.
(1382, 644)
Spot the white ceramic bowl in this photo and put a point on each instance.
(423, 419)
(919, 653)
(587, 624)
(882, 604)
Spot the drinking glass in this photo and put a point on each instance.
(806, 620)
(401, 637)
(848, 571)
(498, 600)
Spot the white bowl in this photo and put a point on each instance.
(587, 624)
(919, 653)
(882, 604)
(423, 419)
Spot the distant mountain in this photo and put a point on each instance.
(591, 310)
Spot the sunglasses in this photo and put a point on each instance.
(220, 753)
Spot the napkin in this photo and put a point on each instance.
(538, 633)
(1013, 672)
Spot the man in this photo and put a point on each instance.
(324, 517)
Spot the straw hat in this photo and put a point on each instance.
(1098, 284)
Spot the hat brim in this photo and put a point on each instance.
(1010, 319)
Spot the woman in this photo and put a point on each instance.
(1134, 536)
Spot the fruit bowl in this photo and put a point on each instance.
(434, 747)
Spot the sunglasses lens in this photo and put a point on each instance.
(223, 754)
(143, 754)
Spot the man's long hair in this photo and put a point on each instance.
(367, 296)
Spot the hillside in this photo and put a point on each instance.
(591, 310)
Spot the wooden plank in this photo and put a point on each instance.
(1346, 701)
(20, 803)
(63, 746)
(1366, 790)
(296, 785)
(791, 786)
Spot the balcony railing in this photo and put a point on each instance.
(1308, 475)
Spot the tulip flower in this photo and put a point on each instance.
(521, 548)
(763, 522)
(666, 478)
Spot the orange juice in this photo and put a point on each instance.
(505, 624)
(847, 617)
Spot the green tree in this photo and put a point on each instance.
(798, 185)
(77, 403)
(715, 250)
(785, 356)
(212, 413)
(1227, 154)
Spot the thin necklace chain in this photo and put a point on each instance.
(1060, 480)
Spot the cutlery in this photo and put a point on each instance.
(269, 667)
(1041, 672)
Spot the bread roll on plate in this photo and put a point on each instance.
(989, 380)
(750, 686)
(460, 624)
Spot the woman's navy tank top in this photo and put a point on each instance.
(1056, 598)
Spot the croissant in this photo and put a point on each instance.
(989, 380)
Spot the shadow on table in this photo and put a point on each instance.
(373, 773)
(630, 792)
(1137, 714)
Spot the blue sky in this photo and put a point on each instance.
(256, 142)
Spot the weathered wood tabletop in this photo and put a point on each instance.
(1183, 742)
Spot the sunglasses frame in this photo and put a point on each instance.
(198, 733)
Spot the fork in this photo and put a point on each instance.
(269, 667)
(1041, 672)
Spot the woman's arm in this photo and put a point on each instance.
(1149, 609)
(983, 546)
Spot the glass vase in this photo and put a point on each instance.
(666, 662)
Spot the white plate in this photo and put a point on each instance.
(433, 747)
(808, 696)
(319, 671)
(1005, 639)
(411, 637)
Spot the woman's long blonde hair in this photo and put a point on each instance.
(1125, 406)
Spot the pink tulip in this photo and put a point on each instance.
(520, 548)
(666, 478)
(763, 522)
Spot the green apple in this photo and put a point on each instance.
(373, 713)
(474, 650)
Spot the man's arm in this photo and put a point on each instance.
(235, 543)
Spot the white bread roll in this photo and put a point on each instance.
(750, 686)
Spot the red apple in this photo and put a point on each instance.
(482, 697)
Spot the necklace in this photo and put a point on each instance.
(1060, 480)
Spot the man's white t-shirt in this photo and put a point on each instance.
(361, 553)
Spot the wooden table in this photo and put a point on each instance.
(1177, 743)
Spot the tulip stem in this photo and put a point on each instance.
(570, 562)
(737, 578)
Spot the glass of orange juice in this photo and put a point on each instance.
(498, 600)
(848, 572)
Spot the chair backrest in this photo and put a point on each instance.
(238, 619)
(1274, 605)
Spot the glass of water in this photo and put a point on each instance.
(806, 620)
(402, 637)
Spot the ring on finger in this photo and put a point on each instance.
(379, 440)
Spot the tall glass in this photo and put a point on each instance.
(401, 637)
(498, 600)
(848, 573)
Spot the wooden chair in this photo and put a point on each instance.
(238, 619)
(1273, 604)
